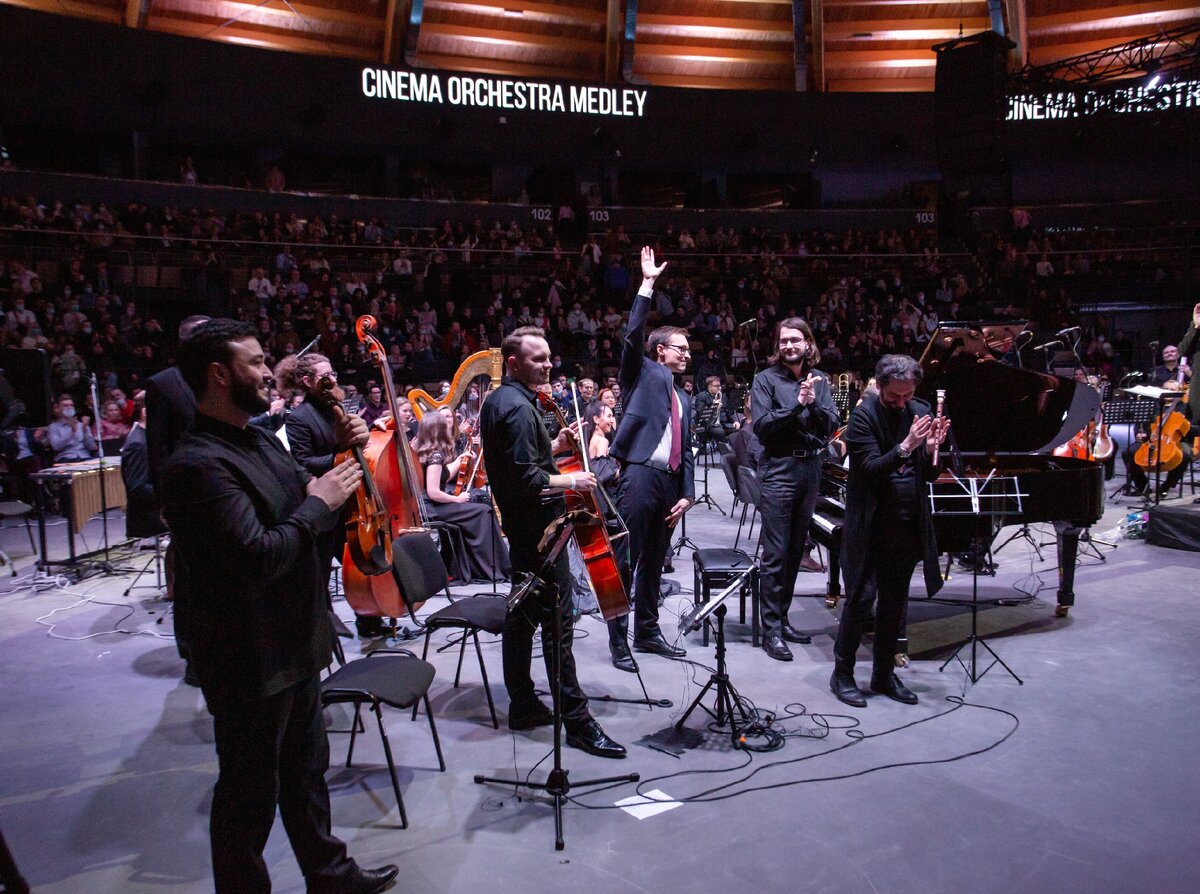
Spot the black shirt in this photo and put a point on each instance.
(518, 451)
(781, 422)
(249, 579)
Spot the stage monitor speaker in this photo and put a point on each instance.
(28, 371)
(970, 103)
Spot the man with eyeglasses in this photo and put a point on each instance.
(652, 446)
(794, 418)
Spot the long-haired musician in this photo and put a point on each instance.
(794, 418)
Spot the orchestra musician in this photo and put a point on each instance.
(794, 418)
(652, 447)
(245, 517)
(714, 422)
(313, 435)
(170, 406)
(1189, 350)
(486, 555)
(891, 437)
(521, 466)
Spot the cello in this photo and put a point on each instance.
(1161, 452)
(592, 538)
(393, 470)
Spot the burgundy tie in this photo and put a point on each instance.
(676, 433)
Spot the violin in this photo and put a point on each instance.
(593, 538)
(369, 525)
(1161, 452)
(471, 473)
(394, 470)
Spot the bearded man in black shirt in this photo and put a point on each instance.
(246, 518)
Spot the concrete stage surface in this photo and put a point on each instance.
(1084, 779)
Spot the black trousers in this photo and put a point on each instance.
(1139, 479)
(790, 487)
(273, 752)
(517, 648)
(644, 497)
(894, 553)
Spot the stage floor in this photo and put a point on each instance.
(1084, 779)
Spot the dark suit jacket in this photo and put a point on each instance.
(1189, 347)
(170, 408)
(646, 389)
(141, 509)
(311, 437)
(874, 455)
(249, 576)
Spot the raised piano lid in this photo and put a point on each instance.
(995, 407)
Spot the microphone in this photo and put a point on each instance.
(752, 322)
(1048, 345)
(1067, 331)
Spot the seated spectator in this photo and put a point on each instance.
(69, 436)
(112, 426)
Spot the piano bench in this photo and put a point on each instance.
(826, 531)
(716, 569)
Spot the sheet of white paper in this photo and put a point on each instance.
(650, 804)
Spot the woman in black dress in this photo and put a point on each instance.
(486, 553)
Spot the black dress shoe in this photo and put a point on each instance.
(844, 687)
(792, 635)
(658, 646)
(894, 689)
(777, 648)
(588, 736)
(622, 659)
(365, 881)
(525, 717)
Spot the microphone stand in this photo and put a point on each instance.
(541, 585)
(106, 565)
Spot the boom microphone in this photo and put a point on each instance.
(1048, 345)
(748, 323)
(1065, 332)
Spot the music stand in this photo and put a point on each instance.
(1159, 396)
(703, 452)
(728, 704)
(983, 499)
(557, 783)
(1133, 410)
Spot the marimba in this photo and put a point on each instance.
(86, 491)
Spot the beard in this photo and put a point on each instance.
(246, 396)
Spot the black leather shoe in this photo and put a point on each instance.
(622, 660)
(658, 646)
(792, 635)
(529, 716)
(588, 736)
(365, 881)
(776, 648)
(847, 692)
(894, 689)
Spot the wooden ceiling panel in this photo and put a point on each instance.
(872, 45)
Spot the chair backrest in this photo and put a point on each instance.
(749, 489)
(418, 567)
(730, 468)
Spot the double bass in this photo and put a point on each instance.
(369, 524)
(393, 472)
(593, 538)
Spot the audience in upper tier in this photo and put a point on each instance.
(72, 279)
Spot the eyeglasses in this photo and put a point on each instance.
(684, 350)
(792, 341)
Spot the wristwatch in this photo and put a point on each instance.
(904, 454)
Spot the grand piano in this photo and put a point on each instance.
(1007, 419)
